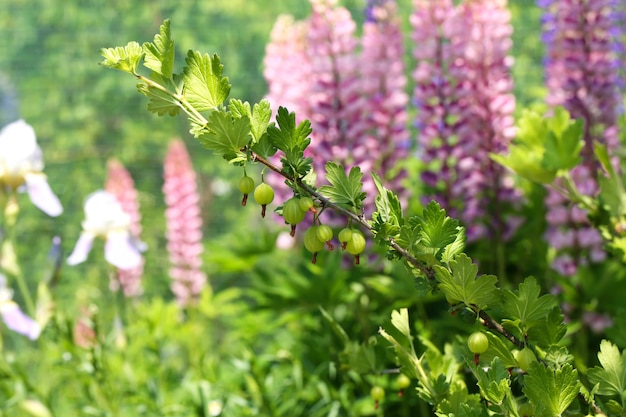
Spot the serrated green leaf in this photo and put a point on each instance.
(124, 58)
(161, 102)
(526, 306)
(345, 190)
(227, 136)
(205, 87)
(456, 247)
(438, 230)
(611, 375)
(159, 54)
(550, 331)
(494, 383)
(462, 283)
(387, 219)
(260, 120)
(239, 108)
(551, 391)
(288, 136)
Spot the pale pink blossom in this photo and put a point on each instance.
(184, 225)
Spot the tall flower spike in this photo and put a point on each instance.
(383, 87)
(465, 103)
(104, 217)
(184, 224)
(581, 75)
(121, 185)
(21, 165)
(286, 54)
(355, 103)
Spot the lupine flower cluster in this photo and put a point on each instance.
(465, 108)
(581, 68)
(355, 100)
(121, 185)
(184, 224)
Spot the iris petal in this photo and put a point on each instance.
(41, 194)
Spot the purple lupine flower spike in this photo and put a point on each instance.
(184, 225)
(582, 75)
(465, 110)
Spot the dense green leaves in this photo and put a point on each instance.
(205, 87)
(344, 190)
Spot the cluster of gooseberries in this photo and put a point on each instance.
(294, 211)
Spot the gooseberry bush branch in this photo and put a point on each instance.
(431, 245)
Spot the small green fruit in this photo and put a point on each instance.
(377, 392)
(263, 194)
(325, 234)
(478, 342)
(292, 214)
(356, 245)
(525, 358)
(345, 235)
(246, 186)
(312, 243)
(305, 203)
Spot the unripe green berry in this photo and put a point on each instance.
(246, 186)
(525, 358)
(292, 214)
(305, 203)
(325, 234)
(403, 381)
(345, 235)
(263, 194)
(478, 342)
(356, 245)
(312, 243)
(377, 392)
